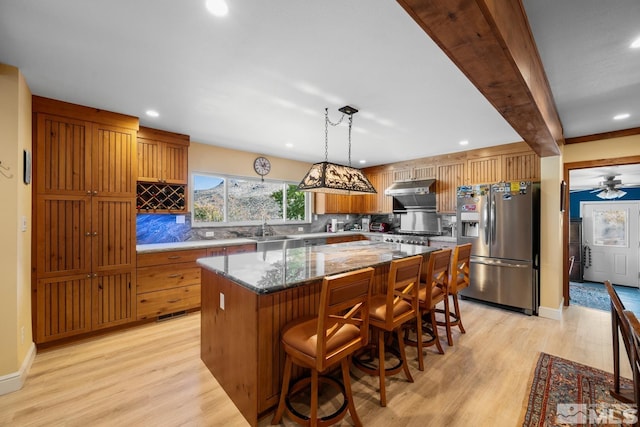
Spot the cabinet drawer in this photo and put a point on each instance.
(170, 257)
(157, 278)
(153, 304)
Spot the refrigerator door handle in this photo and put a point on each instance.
(493, 219)
(498, 262)
(485, 223)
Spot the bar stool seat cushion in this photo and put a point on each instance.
(437, 294)
(303, 337)
(378, 308)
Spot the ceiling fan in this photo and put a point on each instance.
(610, 188)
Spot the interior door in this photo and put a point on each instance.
(610, 237)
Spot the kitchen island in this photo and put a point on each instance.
(248, 298)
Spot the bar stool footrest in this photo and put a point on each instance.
(327, 420)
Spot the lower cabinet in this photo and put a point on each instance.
(72, 305)
(342, 239)
(168, 282)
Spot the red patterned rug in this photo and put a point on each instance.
(566, 393)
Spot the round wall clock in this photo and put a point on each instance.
(262, 166)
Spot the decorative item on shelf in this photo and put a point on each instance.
(163, 197)
(326, 177)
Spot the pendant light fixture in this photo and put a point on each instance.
(326, 177)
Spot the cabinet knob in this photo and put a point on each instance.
(95, 193)
(88, 233)
(95, 233)
(88, 192)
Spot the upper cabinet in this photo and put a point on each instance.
(162, 157)
(414, 173)
(378, 203)
(449, 178)
(163, 171)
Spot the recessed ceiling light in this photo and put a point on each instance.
(152, 113)
(362, 162)
(635, 44)
(288, 145)
(464, 142)
(217, 7)
(621, 116)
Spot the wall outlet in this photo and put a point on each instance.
(23, 223)
(300, 228)
(209, 233)
(221, 301)
(180, 219)
(347, 217)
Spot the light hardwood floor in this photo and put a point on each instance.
(152, 376)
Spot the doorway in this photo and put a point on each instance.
(610, 238)
(579, 166)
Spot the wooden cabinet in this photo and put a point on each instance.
(521, 167)
(484, 170)
(342, 239)
(162, 156)
(168, 282)
(378, 203)
(84, 219)
(326, 203)
(414, 173)
(449, 178)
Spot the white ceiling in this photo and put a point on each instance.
(261, 77)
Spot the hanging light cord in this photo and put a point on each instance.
(328, 122)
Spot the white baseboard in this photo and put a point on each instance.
(14, 381)
(551, 313)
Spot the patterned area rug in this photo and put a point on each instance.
(566, 393)
(588, 296)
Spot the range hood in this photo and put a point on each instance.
(416, 194)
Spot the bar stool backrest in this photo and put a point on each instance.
(460, 268)
(403, 285)
(437, 273)
(344, 301)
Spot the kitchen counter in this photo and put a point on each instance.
(452, 239)
(248, 298)
(270, 271)
(196, 244)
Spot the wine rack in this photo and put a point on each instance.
(160, 197)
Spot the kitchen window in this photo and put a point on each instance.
(229, 200)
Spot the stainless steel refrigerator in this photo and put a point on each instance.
(502, 222)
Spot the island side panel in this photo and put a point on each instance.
(274, 312)
(229, 340)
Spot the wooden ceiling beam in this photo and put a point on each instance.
(491, 43)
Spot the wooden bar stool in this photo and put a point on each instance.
(458, 280)
(619, 325)
(433, 290)
(387, 313)
(342, 327)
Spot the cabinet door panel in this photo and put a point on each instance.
(113, 156)
(484, 170)
(521, 167)
(175, 161)
(62, 156)
(112, 298)
(63, 307)
(149, 160)
(63, 246)
(114, 233)
(449, 178)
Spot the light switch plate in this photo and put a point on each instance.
(221, 301)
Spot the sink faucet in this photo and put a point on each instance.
(264, 226)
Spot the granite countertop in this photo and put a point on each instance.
(270, 271)
(197, 244)
(443, 238)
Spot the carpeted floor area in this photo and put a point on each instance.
(565, 393)
(594, 295)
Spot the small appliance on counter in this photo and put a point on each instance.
(379, 227)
